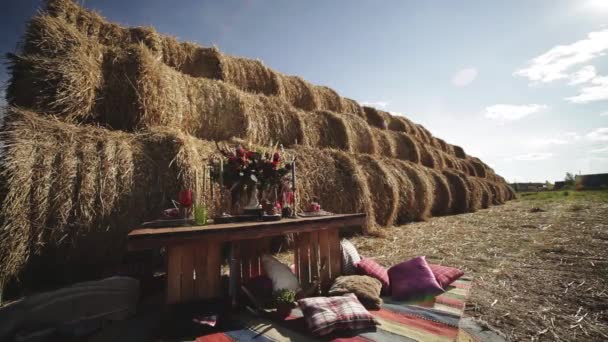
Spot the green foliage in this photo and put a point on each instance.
(546, 197)
(570, 179)
(284, 296)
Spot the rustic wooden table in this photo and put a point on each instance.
(194, 253)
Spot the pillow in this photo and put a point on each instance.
(280, 274)
(324, 315)
(367, 289)
(413, 279)
(350, 257)
(370, 267)
(445, 275)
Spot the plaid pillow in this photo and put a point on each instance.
(445, 275)
(370, 267)
(324, 315)
(350, 257)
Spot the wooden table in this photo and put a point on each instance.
(194, 253)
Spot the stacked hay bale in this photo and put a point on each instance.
(74, 189)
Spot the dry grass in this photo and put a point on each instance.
(537, 276)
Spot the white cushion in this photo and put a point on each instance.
(350, 257)
(280, 274)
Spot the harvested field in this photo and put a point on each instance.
(538, 276)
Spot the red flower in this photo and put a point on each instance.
(274, 164)
(240, 151)
(276, 157)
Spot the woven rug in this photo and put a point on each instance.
(429, 319)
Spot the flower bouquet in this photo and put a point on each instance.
(250, 174)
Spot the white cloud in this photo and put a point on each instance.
(572, 135)
(600, 150)
(380, 104)
(548, 141)
(464, 77)
(584, 75)
(598, 134)
(532, 156)
(553, 64)
(604, 114)
(596, 90)
(507, 112)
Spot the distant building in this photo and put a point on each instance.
(522, 187)
(596, 181)
(559, 185)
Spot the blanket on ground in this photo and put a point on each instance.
(428, 319)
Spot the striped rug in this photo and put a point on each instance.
(429, 319)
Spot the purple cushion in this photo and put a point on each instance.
(413, 279)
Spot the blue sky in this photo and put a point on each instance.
(523, 84)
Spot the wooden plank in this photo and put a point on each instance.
(240, 225)
(235, 272)
(324, 258)
(335, 255)
(313, 245)
(213, 271)
(187, 270)
(296, 256)
(302, 244)
(247, 253)
(154, 238)
(174, 274)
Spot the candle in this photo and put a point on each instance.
(221, 172)
(202, 196)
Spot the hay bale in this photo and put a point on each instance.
(384, 189)
(480, 170)
(469, 169)
(459, 152)
(441, 193)
(422, 187)
(424, 135)
(249, 75)
(430, 157)
(385, 144)
(396, 123)
(298, 92)
(460, 191)
(334, 179)
(327, 99)
(73, 193)
(59, 74)
(406, 206)
(486, 194)
(476, 192)
(376, 118)
(350, 106)
(325, 129)
(406, 148)
(449, 161)
(183, 56)
(443, 146)
(193, 60)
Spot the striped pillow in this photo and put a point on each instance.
(324, 315)
(350, 257)
(445, 275)
(370, 267)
